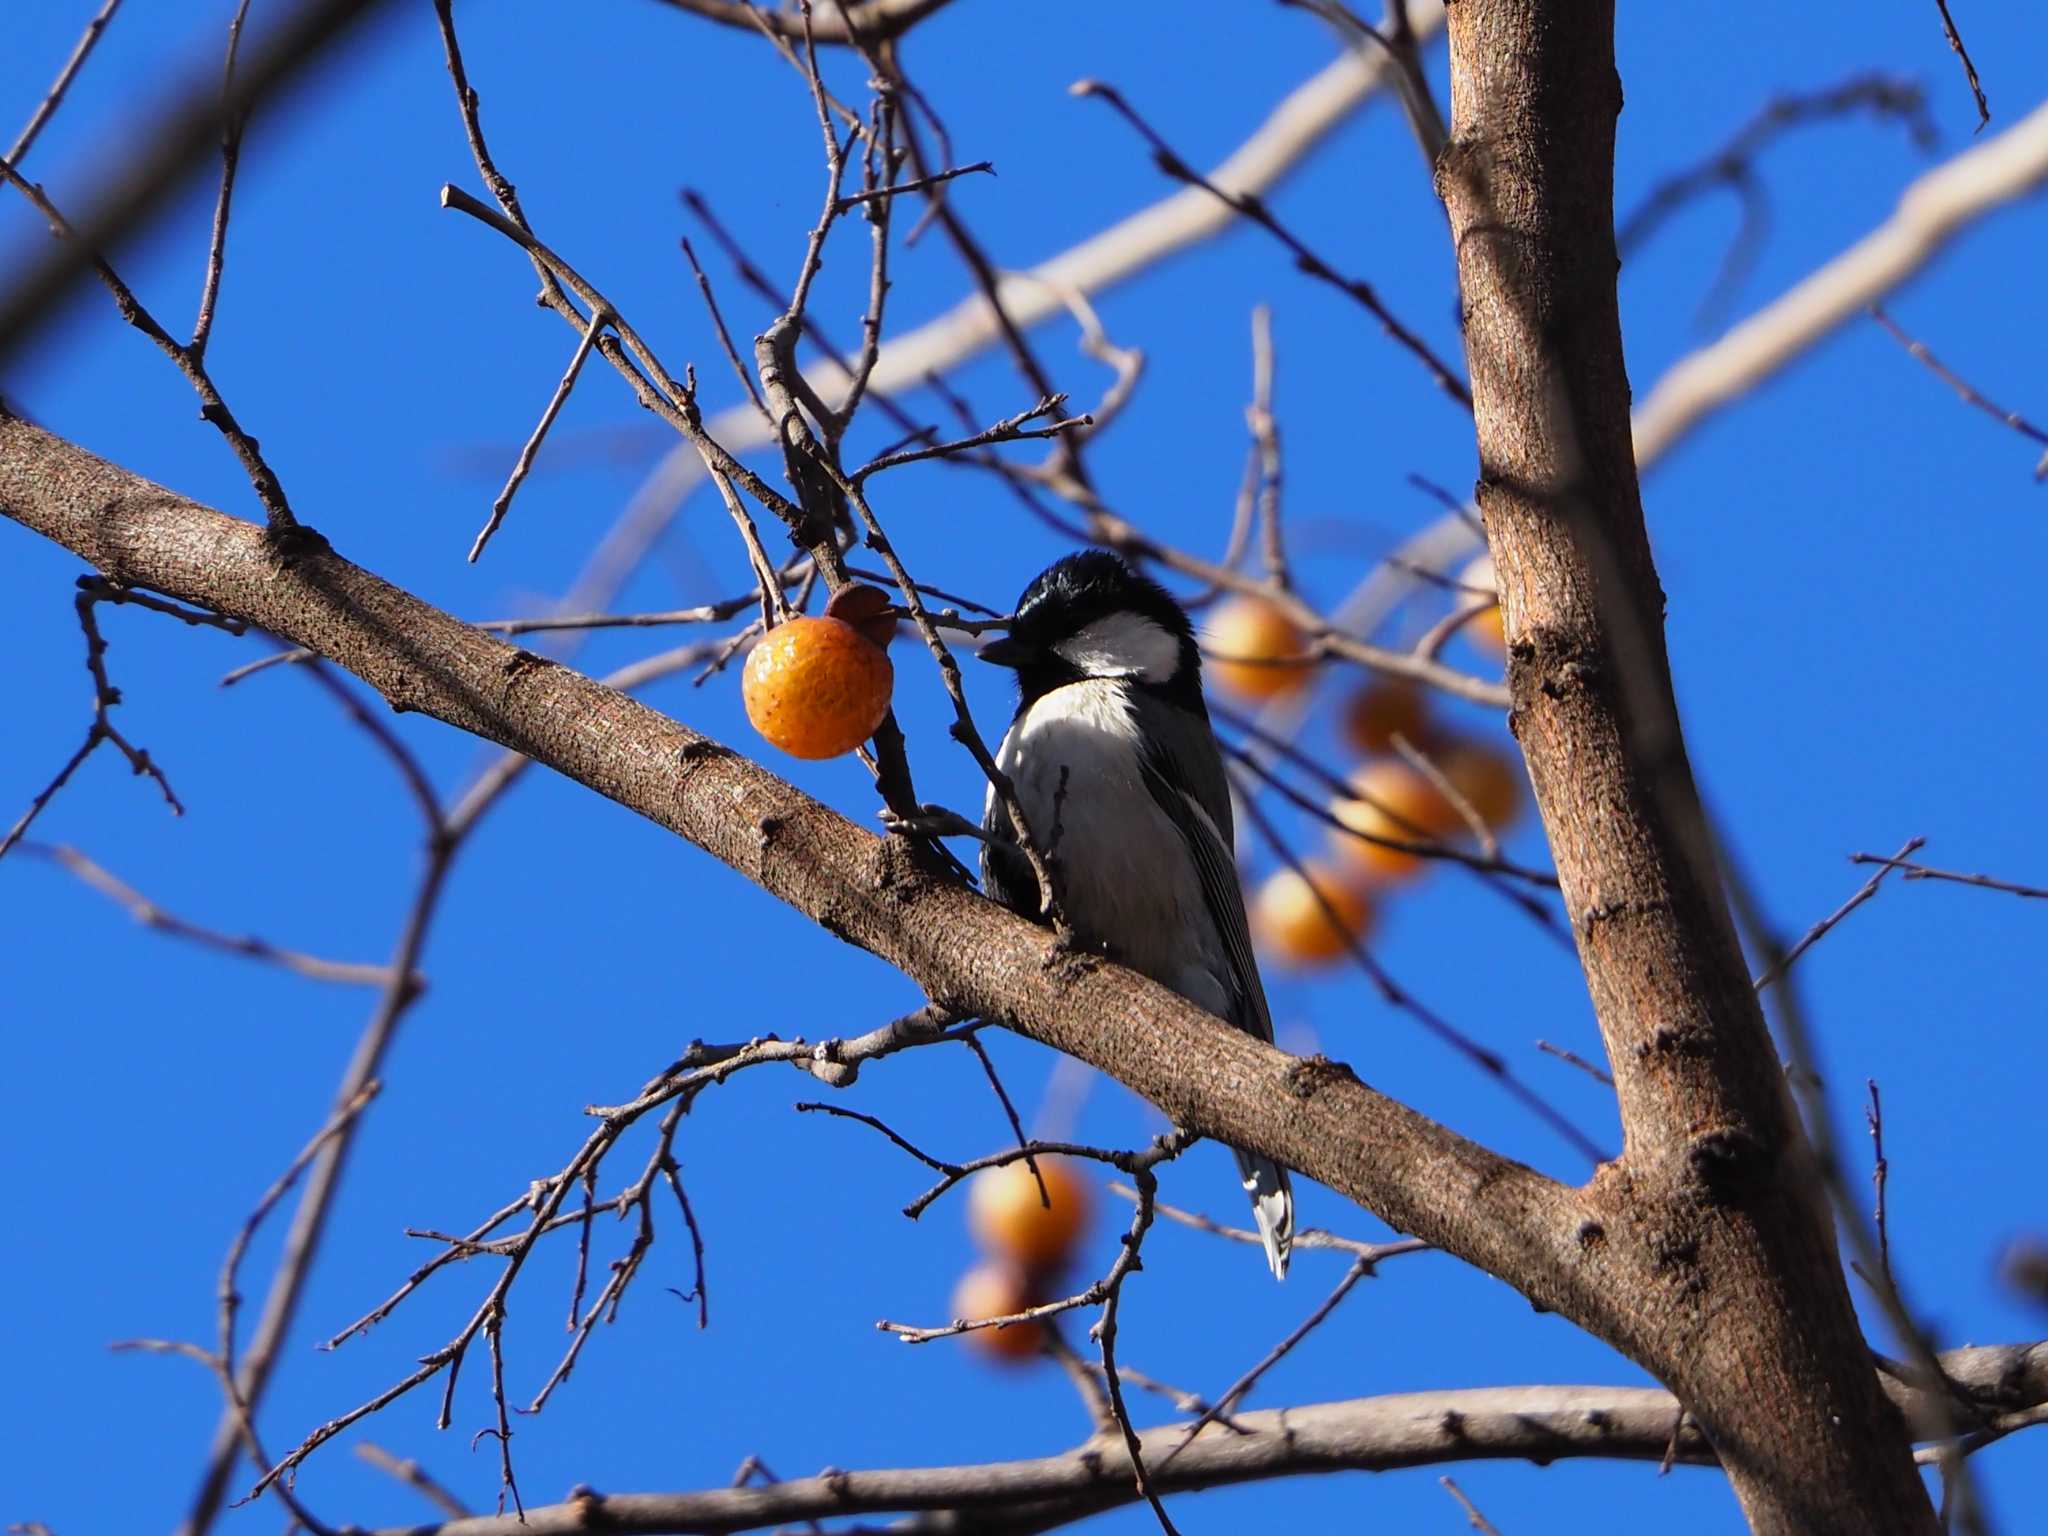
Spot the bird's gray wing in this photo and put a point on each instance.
(1005, 873)
(1184, 772)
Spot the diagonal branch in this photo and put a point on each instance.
(964, 951)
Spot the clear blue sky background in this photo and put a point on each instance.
(1853, 565)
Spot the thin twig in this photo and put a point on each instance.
(1266, 443)
(1476, 1520)
(54, 97)
(1911, 871)
(1255, 209)
(1598, 1074)
(732, 353)
(1307, 1237)
(988, 1067)
(1955, 41)
(1962, 387)
(1880, 1174)
(917, 184)
(599, 319)
(1237, 1390)
(415, 1477)
(150, 915)
(92, 590)
(1485, 1058)
(1820, 930)
(188, 360)
(231, 125)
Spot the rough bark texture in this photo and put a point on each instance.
(1745, 1314)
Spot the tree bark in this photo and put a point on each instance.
(1744, 1312)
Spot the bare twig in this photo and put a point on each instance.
(167, 150)
(1010, 429)
(54, 97)
(988, 1067)
(1236, 1392)
(231, 125)
(599, 319)
(1485, 1058)
(1962, 387)
(92, 591)
(1955, 41)
(1734, 165)
(1266, 444)
(1473, 1517)
(1254, 208)
(1598, 1074)
(189, 359)
(1911, 871)
(1820, 930)
(1880, 1174)
(414, 1476)
(1306, 1238)
(854, 200)
(150, 915)
(725, 341)
(1932, 211)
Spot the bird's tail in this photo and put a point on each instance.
(1272, 1207)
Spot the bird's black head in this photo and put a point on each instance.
(1089, 615)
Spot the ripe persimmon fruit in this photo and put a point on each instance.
(817, 688)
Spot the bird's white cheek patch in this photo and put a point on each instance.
(1124, 645)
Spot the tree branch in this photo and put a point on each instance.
(1378, 1434)
(965, 952)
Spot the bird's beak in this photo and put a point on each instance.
(1008, 651)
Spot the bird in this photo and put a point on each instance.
(1113, 761)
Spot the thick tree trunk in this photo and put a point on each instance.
(1743, 1310)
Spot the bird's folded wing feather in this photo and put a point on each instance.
(1185, 776)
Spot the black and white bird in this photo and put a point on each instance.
(1110, 696)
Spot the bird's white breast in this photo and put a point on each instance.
(1130, 885)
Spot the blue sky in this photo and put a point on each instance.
(1851, 558)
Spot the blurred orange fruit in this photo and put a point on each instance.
(1010, 1218)
(1259, 652)
(1488, 778)
(1295, 928)
(1391, 799)
(1380, 711)
(997, 1290)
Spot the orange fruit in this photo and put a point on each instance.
(1380, 711)
(1389, 798)
(1252, 641)
(1488, 778)
(1293, 926)
(817, 687)
(997, 1290)
(1011, 1219)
